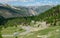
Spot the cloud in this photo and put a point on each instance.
(26, 0)
(7, 0)
(17, 0)
(30, 2)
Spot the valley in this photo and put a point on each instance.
(29, 22)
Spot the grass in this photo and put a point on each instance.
(44, 32)
(51, 30)
(55, 34)
(8, 37)
(11, 30)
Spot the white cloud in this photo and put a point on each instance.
(26, 0)
(7, 0)
(35, 2)
(17, 0)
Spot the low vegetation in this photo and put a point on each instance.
(51, 32)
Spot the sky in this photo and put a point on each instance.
(30, 2)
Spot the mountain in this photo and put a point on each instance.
(11, 11)
(40, 9)
(8, 11)
(51, 16)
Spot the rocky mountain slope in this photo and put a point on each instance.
(8, 11)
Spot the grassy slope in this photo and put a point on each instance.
(11, 30)
(51, 30)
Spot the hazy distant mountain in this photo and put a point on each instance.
(8, 11)
(40, 9)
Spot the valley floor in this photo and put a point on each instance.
(43, 31)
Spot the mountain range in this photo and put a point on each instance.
(9, 11)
